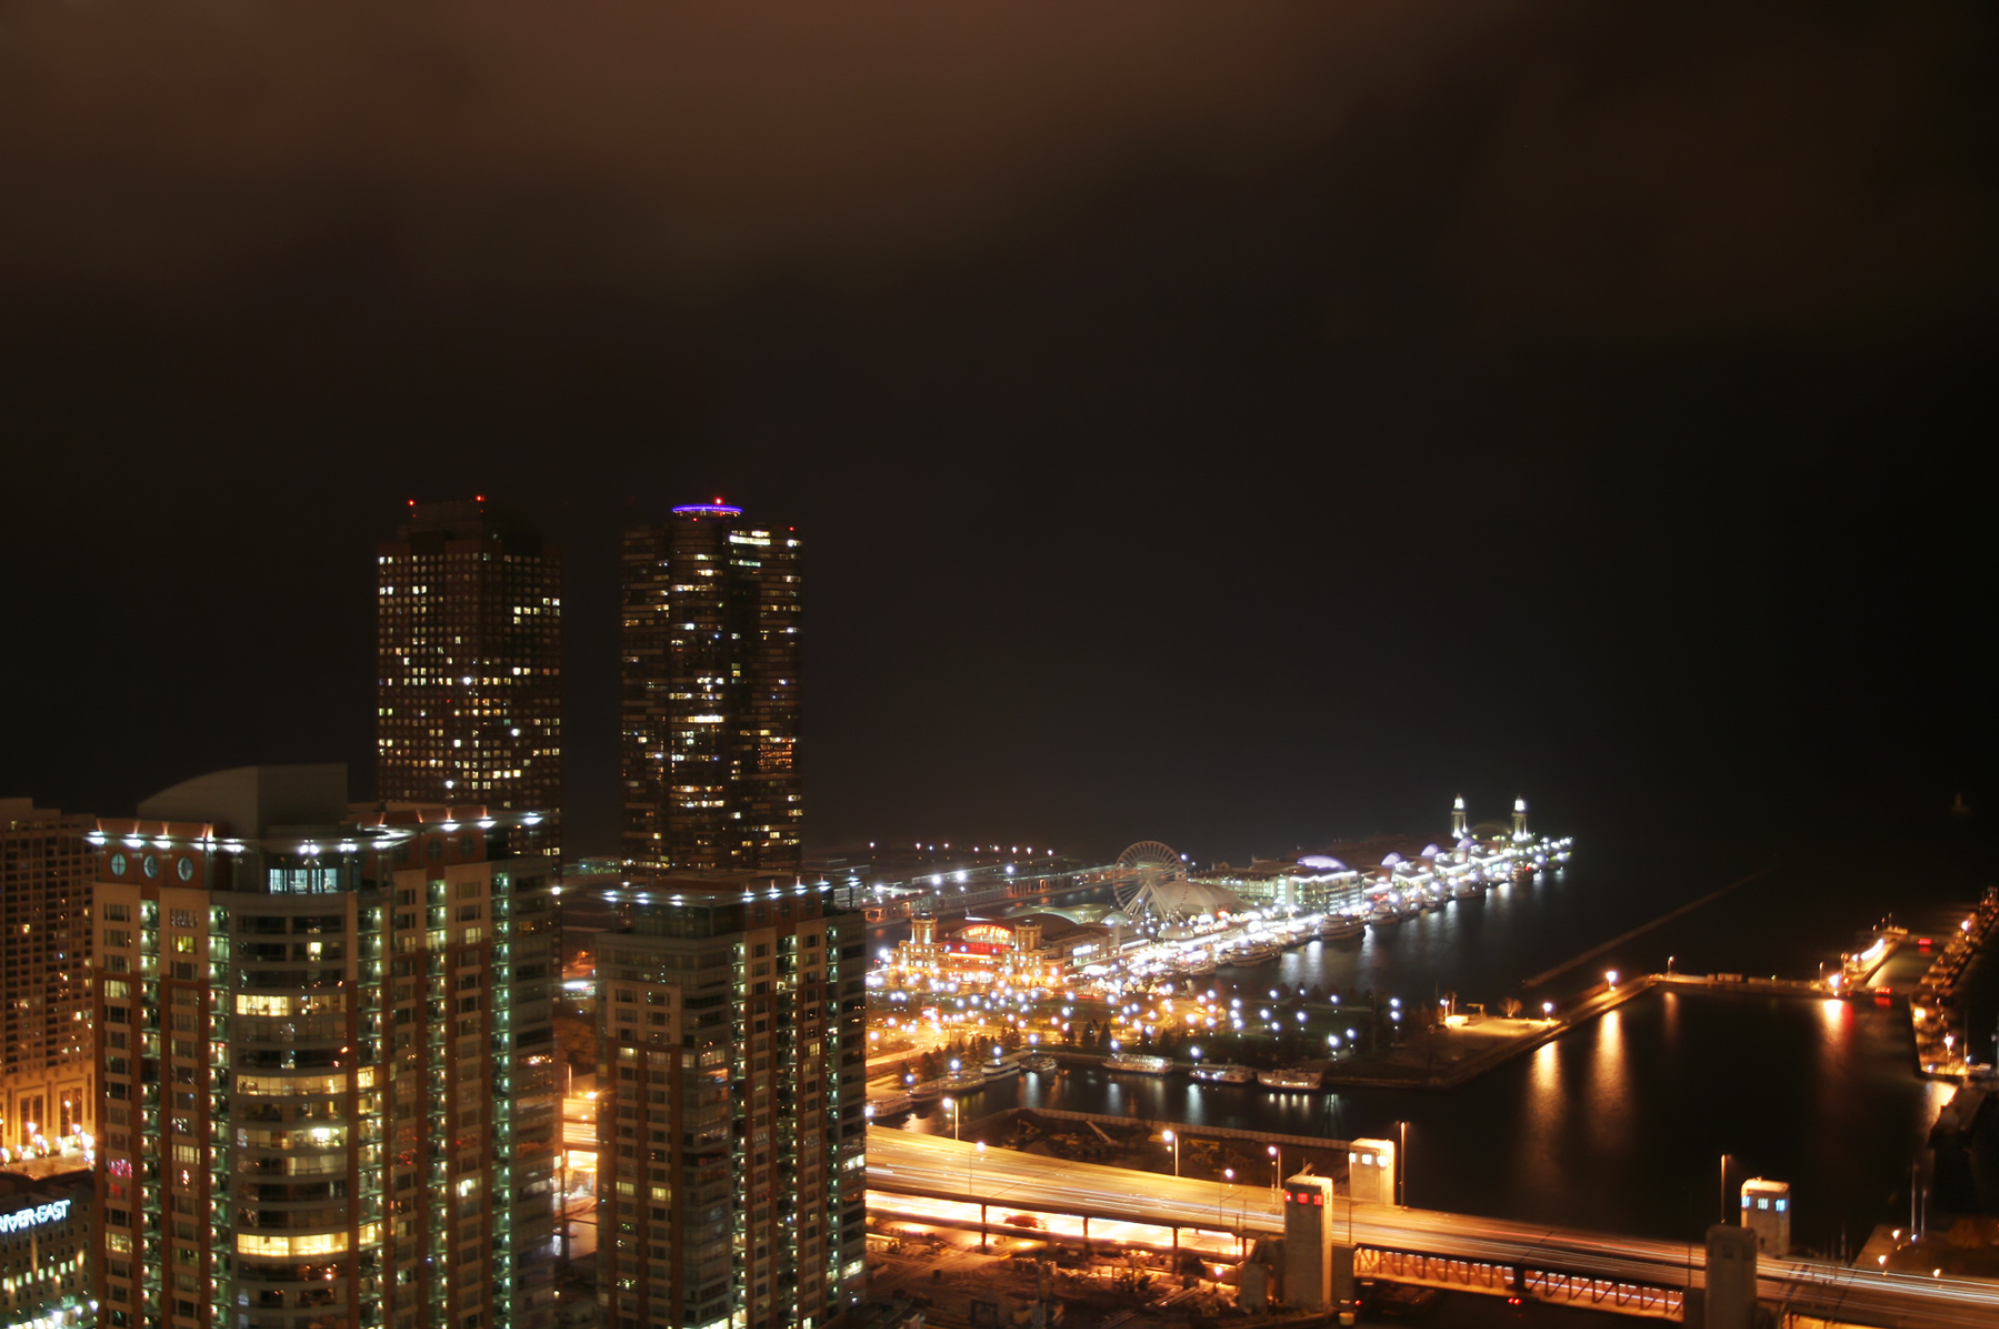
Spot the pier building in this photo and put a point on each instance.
(1386, 876)
(1029, 951)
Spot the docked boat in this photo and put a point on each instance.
(1223, 1073)
(1340, 927)
(1290, 1077)
(999, 1070)
(1134, 1063)
(1256, 951)
(889, 1105)
(1040, 1063)
(957, 1082)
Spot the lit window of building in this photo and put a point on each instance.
(711, 693)
(45, 947)
(731, 1127)
(325, 1065)
(469, 664)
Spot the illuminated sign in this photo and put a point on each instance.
(21, 1220)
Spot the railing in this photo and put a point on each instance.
(1606, 1294)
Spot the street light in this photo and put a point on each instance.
(1222, 1197)
(977, 1153)
(1276, 1165)
(952, 1103)
(1402, 1163)
(1174, 1140)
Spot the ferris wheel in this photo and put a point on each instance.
(1141, 870)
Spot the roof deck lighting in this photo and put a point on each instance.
(716, 509)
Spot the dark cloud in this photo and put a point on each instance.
(1208, 421)
(519, 145)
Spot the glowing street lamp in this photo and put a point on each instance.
(1174, 1140)
(1276, 1165)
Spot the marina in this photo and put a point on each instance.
(1551, 1131)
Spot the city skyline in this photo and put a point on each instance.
(791, 443)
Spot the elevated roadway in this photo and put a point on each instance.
(904, 1163)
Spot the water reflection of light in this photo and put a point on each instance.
(1544, 1124)
(1837, 1016)
(1546, 1079)
(1609, 1093)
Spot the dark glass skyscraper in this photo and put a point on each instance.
(469, 664)
(711, 655)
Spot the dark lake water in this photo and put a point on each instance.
(1621, 1124)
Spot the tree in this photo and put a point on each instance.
(578, 1040)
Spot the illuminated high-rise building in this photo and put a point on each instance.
(468, 652)
(731, 1127)
(325, 1062)
(710, 695)
(45, 870)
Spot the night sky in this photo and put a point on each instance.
(1232, 425)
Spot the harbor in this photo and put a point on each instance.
(1744, 1009)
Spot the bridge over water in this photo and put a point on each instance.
(1633, 1275)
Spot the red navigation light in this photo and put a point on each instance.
(1924, 943)
(478, 498)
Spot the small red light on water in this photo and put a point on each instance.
(1924, 943)
(478, 498)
